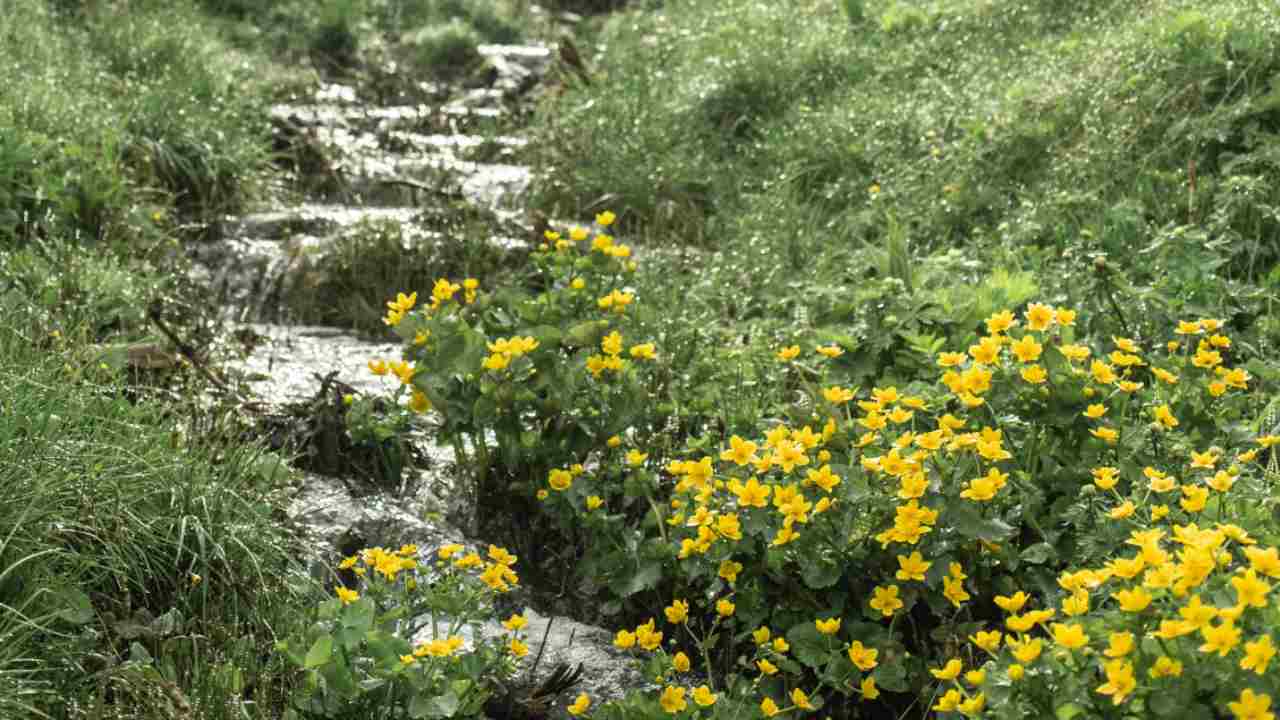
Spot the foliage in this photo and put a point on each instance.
(991, 479)
(392, 645)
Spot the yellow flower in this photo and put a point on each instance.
(780, 644)
(1025, 651)
(580, 705)
(1077, 603)
(837, 395)
(635, 457)
(515, 622)
(1135, 600)
(950, 671)
(624, 639)
(1075, 353)
(949, 701)
(1251, 706)
(768, 707)
(1122, 511)
(1120, 644)
(703, 696)
(560, 480)
(766, 667)
(419, 403)
(378, 367)
(1040, 317)
(1258, 654)
(1251, 591)
(1165, 666)
(1220, 638)
(830, 626)
(885, 599)
(1026, 349)
(1011, 603)
(347, 596)
(678, 612)
(729, 570)
(1205, 460)
(973, 706)
(868, 688)
(672, 700)
(643, 351)
(593, 502)
(1106, 434)
(725, 608)
(1120, 680)
(680, 662)
(605, 219)
(1034, 374)
(518, 648)
(863, 657)
(989, 641)
(1266, 561)
(912, 567)
(831, 351)
(800, 699)
(1105, 477)
(789, 353)
(1194, 498)
(1000, 322)
(760, 635)
(1070, 635)
(975, 677)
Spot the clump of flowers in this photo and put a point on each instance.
(393, 633)
(931, 487)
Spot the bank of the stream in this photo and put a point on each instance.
(205, 206)
(154, 542)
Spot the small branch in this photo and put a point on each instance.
(188, 352)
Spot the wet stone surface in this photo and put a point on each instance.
(387, 164)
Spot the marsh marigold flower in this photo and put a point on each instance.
(863, 657)
(579, 705)
(672, 699)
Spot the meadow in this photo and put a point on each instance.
(878, 359)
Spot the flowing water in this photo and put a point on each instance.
(384, 164)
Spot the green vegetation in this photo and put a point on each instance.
(932, 321)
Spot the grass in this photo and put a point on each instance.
(112, 512)
(889, 173)
(1036, 139)
(124, 128)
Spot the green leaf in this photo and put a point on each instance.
(1038, 554)
(891, 677)
(76, 607)
(139, 654)
(820, 572)
(645, 578)
(1068, 711)
(585, 334)
(320, 652)
(810, 646)
(1055, 362)
(433, 706)
(1172, 701)
(966, 520)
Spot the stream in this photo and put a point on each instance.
(387, 164)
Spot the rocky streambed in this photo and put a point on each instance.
(394, 171)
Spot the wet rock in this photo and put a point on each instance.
(609, 673)
(282, 367)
